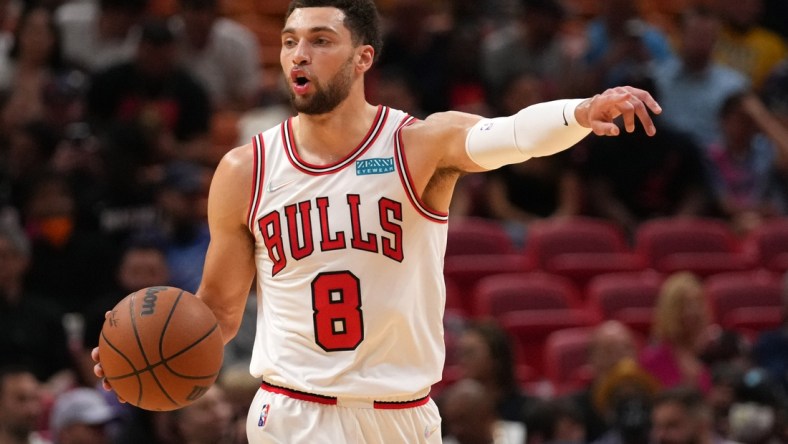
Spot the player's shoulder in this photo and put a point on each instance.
(440, 127)
(236, 165)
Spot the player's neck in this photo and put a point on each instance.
(326, 138)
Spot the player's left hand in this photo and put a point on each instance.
(599, 111)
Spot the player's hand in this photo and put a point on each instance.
(630, 103)
(98, 370)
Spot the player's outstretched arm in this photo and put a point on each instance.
(471, 143)
(229, 263)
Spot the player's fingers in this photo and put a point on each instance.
(107, 314)
(645, 118)
(601, 128)
(627, 110)
(98, 370)
(105, 384)
(646, 98)
(94, 354)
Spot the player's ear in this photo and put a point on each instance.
(365, 55)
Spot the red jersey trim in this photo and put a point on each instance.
(258, 147)
(402, 169)
(331, 400)
(301, 165)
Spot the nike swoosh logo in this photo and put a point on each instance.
(272, 188)
(428, 431)
(563, 114)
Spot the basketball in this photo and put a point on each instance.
(161, 348)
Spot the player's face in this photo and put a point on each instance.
(318, 59)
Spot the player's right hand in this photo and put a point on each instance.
(98, 370)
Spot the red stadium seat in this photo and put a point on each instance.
(530, 328)
(478, 236)
(466, 270)
(627, 297)
(702, 246)
(735, 296)
(566, 359)
(768, 245)
(580, 248)
(498, 294)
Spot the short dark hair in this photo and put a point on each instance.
(361, 18)
(690, 398)
(12, 370)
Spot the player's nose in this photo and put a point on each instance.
(301, 53)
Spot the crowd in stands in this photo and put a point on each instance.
(114, 113)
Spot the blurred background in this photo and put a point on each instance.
(629, 290)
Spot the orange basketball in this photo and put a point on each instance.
(161, 348)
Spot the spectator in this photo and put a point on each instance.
(30, 67)
(486, 355)
(153, 96)
(32, 330)
(24, 158)
(554, 421)
(770, 351)
(610, 343)
(142, 264)
(182, 202)
(758, 412)
(206, 421)
(749, 163)
(620, 44)
(469, 416)
(239, 389)
(81, 416)
(692, 87)
(100, 33)
(420, 49)
(745, 45)
(542, 188)
(21, 407)
(680, 415)
(70, 265)
(219, 52)
(680, 331)
(663, 177)
(537, 47)
(775, 91)
(623, 395)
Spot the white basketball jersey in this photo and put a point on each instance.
(350, 268)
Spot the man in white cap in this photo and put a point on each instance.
(80, 416)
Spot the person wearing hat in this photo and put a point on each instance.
(80, 416)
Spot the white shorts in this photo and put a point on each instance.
(280, 417)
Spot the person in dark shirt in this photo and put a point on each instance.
(32, 333)
(633, 178)
(154, 95)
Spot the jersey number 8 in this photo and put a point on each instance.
(336, 305)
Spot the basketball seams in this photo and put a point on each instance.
(184, 350)
(131, 364)
(142, 350)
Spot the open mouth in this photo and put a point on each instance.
(300, 81)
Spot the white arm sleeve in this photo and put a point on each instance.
(538, 130)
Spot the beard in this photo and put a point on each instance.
(325, 99)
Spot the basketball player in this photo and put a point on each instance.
(341, 212)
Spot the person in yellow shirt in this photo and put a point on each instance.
(745, 45)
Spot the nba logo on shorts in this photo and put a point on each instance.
(263, 415)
